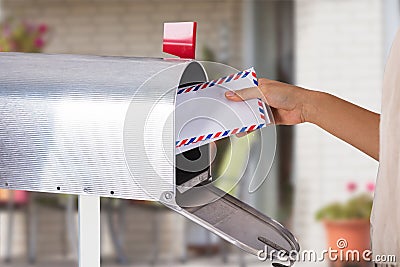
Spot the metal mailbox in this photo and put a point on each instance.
(104, 126)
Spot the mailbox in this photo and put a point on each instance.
(104, 126)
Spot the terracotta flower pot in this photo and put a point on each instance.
(345, 235)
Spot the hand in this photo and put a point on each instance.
(288, 103)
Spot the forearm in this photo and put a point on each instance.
(355, 125)
(293, 105)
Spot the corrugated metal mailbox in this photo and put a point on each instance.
(105, 126)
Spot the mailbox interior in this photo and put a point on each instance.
(194, 163)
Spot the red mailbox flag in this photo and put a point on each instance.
(180, 39)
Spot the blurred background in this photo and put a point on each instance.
(335, 46)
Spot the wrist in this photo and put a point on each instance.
(311, 105)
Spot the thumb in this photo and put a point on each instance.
(243, 94)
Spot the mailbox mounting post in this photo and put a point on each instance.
(89, 231)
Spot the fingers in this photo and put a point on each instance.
(243, 94)
(243, 134)
(276, 116)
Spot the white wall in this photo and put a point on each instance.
(340, 50)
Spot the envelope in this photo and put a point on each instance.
(203, 114)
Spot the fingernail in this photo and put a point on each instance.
(229, 94)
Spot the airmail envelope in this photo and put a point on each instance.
(203, 114)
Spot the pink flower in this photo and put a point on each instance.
(39, 43)
(6, 31)
(351, 187)
(42, 28)
(371, 187)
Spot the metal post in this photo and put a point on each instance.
(72, 235)
(32, 228)
(10, 213)
(89, 231)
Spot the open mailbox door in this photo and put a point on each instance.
(105, 126)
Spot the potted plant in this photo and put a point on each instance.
(347, 224)
(22, 36)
